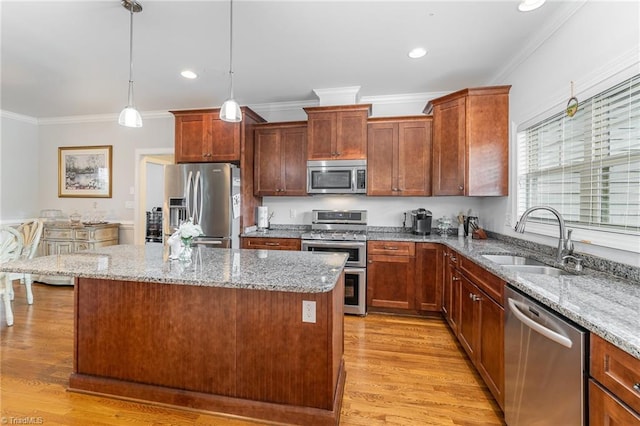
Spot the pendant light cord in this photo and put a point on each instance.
(130, 101)
(231, 46)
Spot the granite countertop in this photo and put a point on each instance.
(603, 303)
(273, 270)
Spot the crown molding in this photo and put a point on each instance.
(100, 118)
(18, 117)
(538, 40)
(401, 99)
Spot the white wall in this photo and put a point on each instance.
(19, 169)
(595, 48)
(156, 133)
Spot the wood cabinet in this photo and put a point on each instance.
(399, 156)
(428, 278)
(201, 137)
(267, 243)
(471, 142)
(451, 289)
(337, 132)
(614, 390)
(472, 305)
(391, 275)
(280, 159)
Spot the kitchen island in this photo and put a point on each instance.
(224, 333)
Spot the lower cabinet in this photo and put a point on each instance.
(390, 275)
(614, 386)
(476, 319)
(428, 277)
(267, 243)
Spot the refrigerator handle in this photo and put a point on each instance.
(187, 191)
(197, 199)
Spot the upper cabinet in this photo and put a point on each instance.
(471, 142)
(281, 159)
(399, 156)
(337, 132)
(202, 137)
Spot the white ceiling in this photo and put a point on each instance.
(67, 58)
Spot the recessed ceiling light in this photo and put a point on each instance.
(529, 5)
(189, 74)
(417, 52)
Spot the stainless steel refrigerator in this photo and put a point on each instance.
(209, 193)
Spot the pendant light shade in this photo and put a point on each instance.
(230, 110)
(130, 117)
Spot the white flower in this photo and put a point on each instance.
(189, 230)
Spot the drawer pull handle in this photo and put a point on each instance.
(636, 387)
(390, 248)
(271, 244)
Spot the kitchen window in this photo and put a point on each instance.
(588, 168)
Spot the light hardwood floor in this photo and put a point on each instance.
(400, 371)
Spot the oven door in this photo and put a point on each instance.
(357, 250)
(355, 291)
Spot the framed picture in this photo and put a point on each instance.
(84, 171)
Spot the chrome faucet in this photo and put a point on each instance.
(565, 245)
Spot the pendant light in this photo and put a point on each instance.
(130, 117)
(230, 110)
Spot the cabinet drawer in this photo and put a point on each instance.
(271, 243)
(616, 370)
(391, 248)
(58, 234)
(485, 280)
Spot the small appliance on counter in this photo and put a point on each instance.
(262, 218)
(419, 221)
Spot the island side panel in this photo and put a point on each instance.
(174, 336)
(284, 359)
(336, 349)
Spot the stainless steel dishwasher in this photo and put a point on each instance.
(545, 365)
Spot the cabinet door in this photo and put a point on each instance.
(224, 140)
(413, 166)
(390, 282)
(451, 292)
(606, 410)
(268, 167)
(469, 316)
(449, 138)
(490, 354)
(192, 138)
(294, 160)
(351, 135)
(428, 280)
(321, 133)
(382, 147)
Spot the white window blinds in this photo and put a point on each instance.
(587, 166)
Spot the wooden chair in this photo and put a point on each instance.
(11, 242)
(31, 233)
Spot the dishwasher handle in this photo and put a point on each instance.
(549, 334)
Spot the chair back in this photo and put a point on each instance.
(11, 242)
(31, 233)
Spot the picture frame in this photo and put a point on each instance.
(85, 171)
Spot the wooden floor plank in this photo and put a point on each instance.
(400, 371)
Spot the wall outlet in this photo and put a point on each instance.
(309, 311)
(128, 204)
(292, 213)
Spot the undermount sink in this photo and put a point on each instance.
(506, 259)
(537, 269)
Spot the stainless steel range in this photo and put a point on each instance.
(343, 231)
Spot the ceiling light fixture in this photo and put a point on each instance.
(529, 5)
(189, 74)
(230, 110)
(417, 52)
(130, 117)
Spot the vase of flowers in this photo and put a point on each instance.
(188, 231)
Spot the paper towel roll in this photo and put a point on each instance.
(262, 217)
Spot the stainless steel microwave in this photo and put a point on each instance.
(337, 177)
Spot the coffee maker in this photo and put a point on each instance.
(420, 221)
